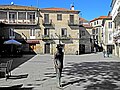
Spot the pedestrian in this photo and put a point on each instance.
(94, 50)
(104, 52)
(58, 63)
(108, 53)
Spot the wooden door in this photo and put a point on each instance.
(47, 48)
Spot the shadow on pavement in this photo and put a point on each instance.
(16, 87)
(72, 82)
(18, 76)
(94, 75)
(17, 61)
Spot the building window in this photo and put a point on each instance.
(83, 33)
(96, 30)
(32, 17)
(12, 17)
(11, 32)
(93, 31)
(91, 24)
(3, 15)
(72, 19)
(46, 18)
(32, 32)
(110, 36)
(21, 16)
(95, 23)
(46, 32)
(59, 16)
(109, 24)
(64, 32)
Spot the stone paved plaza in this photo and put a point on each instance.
(81, 72)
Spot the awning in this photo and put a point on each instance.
(33, 41)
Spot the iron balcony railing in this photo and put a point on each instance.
(19, 22)
(73, 23)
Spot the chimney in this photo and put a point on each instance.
(12, 3)
(72, 7)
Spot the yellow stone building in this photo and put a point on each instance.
(59, 26)
(40, 30)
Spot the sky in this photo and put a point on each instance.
(89, 9)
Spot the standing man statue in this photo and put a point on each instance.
(58, 62)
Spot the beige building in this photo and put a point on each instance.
(59, 26)
(86, 44)
(108, 27)
(40, 30)
(20, 23)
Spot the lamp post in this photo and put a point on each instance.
(38, 3)
(58, 37)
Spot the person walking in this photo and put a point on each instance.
(95, 50)
(108, 53)
(104, 52)
(58, 63)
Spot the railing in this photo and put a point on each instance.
(116, 33)
(19, 22)
(49, 22)
(65, 37)
(73, 23)
(45, 37)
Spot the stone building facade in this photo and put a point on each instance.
(86, 44)
(22, 24)
(40, 30)
(59, 26)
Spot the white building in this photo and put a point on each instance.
(115, 13)
(97, 32)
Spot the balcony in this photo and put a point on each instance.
(73, 23)
(19, 22)
(65, 37)
(48, 24)
(46, 37)
(116, 34)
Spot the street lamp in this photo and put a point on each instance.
(58, 37)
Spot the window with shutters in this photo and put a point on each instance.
(59, 17)
(64, 32)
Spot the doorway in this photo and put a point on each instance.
(47, 48)
(110, 48)
(82, 49)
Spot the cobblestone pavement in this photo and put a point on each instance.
(81, 72)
